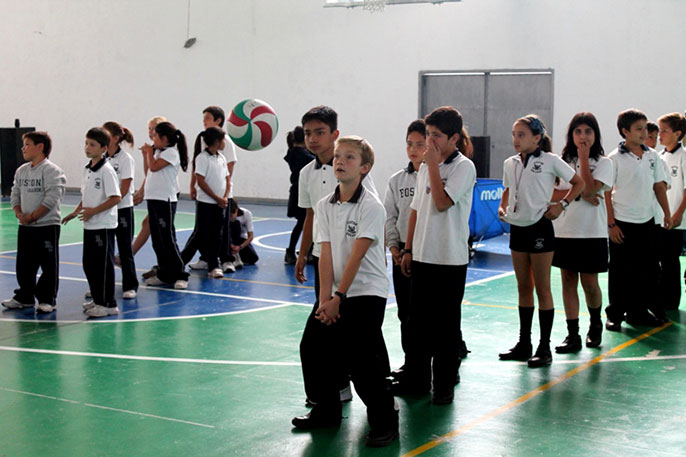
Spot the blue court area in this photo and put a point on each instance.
(268, 284)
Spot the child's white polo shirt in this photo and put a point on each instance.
(317, 180)
(229, 153)
(163, 184)
(581, 219)
(633, 194)
(245, 220)
(124, 166)
(399, 194)
(213, 168)
(441, 237)
(531, 184)
(341, 224)
(99, 183)
(676, 165)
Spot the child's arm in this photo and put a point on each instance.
(151, 162)
(328, 311)
(438, 194)
(305, 243)
(208, 190)
(87, 213)
(125, 185)
(390, 228)
(139, 195)
(616, 235)
(504, 202)
(406, 262)
(73, 214)
(555, 210)
(325, 273)
(660, 189)
(193, 193)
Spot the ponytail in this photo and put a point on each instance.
(465, 144)
(176, 138)
(183, 149)
(537, 127)
(212, 135)
(117, 130)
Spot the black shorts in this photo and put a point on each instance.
(536, 238)
(582, 255)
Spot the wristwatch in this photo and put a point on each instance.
(341, 295)
(564, 204)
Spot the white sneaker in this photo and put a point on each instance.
(44, 308)
(11, 303)
(154, 281)
(228, 267)
(88, 305)
(216, 273)
(238, 263)
(181, 284)
(87, 295)
(346, 394)
(199, 265)
(129, 294)
(102, 311)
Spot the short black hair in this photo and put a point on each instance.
(216, 112)
(416, 126)
(40, 138)
(323, 114)
(299, 134)
(446, 119)
(100, 135)
(627, 118)
(652, 127)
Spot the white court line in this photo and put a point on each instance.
(491, 278)
(258, 241)
(150, 359)
(90, 405)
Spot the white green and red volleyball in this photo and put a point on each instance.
(252, 124)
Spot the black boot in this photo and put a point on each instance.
(542, 358)
(595, 335)
(522, 350)
(571, 344)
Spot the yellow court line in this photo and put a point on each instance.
(528, 396)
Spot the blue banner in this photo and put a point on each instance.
(483, 220)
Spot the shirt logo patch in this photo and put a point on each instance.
(652, 163)
(351, 229)
(98, 183)
(539, 243)
(537, 167)
(675, 171)
(116, 167)
(428, 189)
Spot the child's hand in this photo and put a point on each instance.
(147, 148)
(328, 312)
(591, 198)
(138, 197)
(554, 211)
(24, 218)
(616, 235)
(68, 217)
(235, 249)
(406, 264)
(502, 213)
(584, 149)
(194, 193)
(432, 155)
(676, 219)
(396, 254)
(667, 222)
(222, 202)
(86, 213)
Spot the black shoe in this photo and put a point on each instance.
(571, 344)
(405, 388)
(440, 397)
(398, 374)
(381, 438)
(643, 320)
(309, 403)
(150, 273)
(542, 358)
(520, 351)
(594, 336)
(613, 326)
(316, 419)
(290, 258)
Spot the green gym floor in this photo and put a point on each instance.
(214, 370)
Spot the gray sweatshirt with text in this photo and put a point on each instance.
(40, 185)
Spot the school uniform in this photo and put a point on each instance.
(296, 157)
(670, 242)
(98, 185)
(161, 189)
(399, 194)
(124, 166)
(209, 216)
(355, 341)
(440, 254)
(38, 242)
(633, 263)
(531, 183)
(581, 230)
(240, 228)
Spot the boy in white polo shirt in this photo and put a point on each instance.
(36, 195)
(399, 194)
(436, 256)
(98, 211)
(670, 242)
(638, 176)
(352, 301)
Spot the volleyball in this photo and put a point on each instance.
(252, 124)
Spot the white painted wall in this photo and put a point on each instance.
(71, 64)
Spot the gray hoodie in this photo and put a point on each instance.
(40, 185)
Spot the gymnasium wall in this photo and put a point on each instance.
(72, 64)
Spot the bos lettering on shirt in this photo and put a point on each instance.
(32, 185)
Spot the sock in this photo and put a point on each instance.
(573, 327)
(595, 316)
(545, 320)
(526, 317)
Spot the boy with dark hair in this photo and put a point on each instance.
(639, 177)
(672, 131)
(36, 195)
(345, 328)
(435, 256)
(214, 116)
(399, 193)
(98, 210)
(651, 138)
